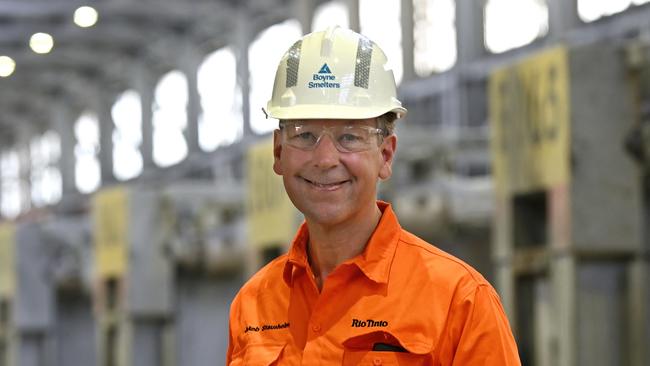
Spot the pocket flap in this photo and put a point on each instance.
(262, 354)
(367, 341)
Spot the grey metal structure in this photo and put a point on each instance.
(50, 318)
(184, 254)
(583, 299)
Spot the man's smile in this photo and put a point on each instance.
(325, 185)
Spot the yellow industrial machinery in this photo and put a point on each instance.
(567, 229)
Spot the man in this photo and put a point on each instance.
(355, 288)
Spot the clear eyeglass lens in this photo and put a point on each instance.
(346, 138)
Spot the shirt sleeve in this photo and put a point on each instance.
(232, 346)
(481, 332)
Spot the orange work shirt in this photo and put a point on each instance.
(400, 302)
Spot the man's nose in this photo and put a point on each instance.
(325, 153)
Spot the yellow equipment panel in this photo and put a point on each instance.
(530, 117)
(111, 218)
(271, 215)
(7, 254)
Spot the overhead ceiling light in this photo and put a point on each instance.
(85, 16)
(7, 66)
(41, 42)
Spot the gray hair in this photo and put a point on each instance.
(387, 123)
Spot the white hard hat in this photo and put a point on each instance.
(334, 74)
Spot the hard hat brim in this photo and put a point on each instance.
(331, 112)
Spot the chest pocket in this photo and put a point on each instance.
(362, 350)
(384, 358)
(259, 355)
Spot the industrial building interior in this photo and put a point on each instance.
(137, 196)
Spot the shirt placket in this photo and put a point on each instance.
(321, 348)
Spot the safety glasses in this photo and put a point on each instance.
(346, 138)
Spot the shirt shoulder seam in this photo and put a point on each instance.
(479, 281)
(262, 273)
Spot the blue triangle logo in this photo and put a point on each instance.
(324, 69)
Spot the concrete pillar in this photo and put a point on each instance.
(353, 14)
(74, 328)
(408, 43)
(562, 17)
(304, 10)
(638, 310)
(242, 41)
(144, 85)
(64, 125)
(563, 269)
(2, 152)
(563, 274)
(190, 64)
(502, 254)
(145, 342)
(453, 101)
(25, 166)
(200, 333)
(33, 317)
(470, 25)
(103, 106)
(1, 216)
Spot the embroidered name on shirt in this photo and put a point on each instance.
(369, 323)
(266, 327)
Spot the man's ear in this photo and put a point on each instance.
(388, 148)
(277, 152)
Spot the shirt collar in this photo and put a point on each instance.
(374, 262)
(297, 256)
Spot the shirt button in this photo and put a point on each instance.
(315, 328)
(376, 361)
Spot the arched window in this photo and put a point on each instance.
(127, 136)
(221, 121)
(380, 20)
(590, 10)
(87, 170)
(329, 14)
(514, 23)
(264, 56)
(10, 180)
(434, 36)
(45, 152)
(170, 119)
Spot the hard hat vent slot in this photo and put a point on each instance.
(362, 65)
(293, 62)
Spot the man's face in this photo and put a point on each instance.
(329, 186)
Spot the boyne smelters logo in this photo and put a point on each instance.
(323, 79)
